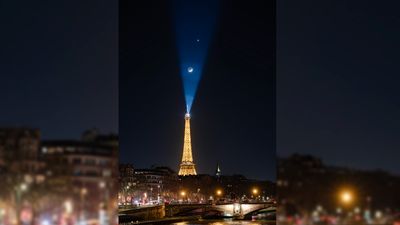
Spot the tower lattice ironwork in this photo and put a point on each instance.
(187, 166)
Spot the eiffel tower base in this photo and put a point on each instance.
(187, 169)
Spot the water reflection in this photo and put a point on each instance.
(226, 222)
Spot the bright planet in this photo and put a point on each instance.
(190, 69)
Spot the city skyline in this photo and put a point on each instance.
(233, 113)
(199, 112)
(81, 109)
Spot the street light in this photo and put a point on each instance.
(24, 187)
(104, 203)
(126, 193)
(84, 192)
(158, 193)
(19, 190)
(102, 184)
(68, 206)
(183, 193)
(346, 197)
(219, 192)
(151, 194)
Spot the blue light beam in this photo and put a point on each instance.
(194, 22)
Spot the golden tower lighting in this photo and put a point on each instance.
(187, 166)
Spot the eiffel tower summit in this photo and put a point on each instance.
(187, 166)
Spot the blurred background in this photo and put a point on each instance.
(57, 181)
(337, 112)
(59, 112)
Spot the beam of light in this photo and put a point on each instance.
(194, 22)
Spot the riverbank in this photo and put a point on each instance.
(168, 220)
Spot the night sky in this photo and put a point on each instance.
(59, 66)
(233, 113)
(338, 81)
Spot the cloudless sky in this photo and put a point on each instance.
(59, 66)
(338, 81)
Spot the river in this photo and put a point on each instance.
(226, 222)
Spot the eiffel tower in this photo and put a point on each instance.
(187, 166)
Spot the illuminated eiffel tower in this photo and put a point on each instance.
(187, 166)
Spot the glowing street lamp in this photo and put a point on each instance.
(254, 191)
(219, 192)
(68, 206)
(2, 212)
(23, 187)
(84, 191)
(346, 197)
(183, 193)
(20, 189)
(102, 184)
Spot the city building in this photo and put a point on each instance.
(229, 187)
(19, 150)
(156, 180)
(126, 175)
(86, 169)
(65, 177)
(162, 184)
(127, 182)
(142, 186)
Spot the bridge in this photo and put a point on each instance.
(240, 209)
(222, 210)
(235, 210)
(141, 213)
